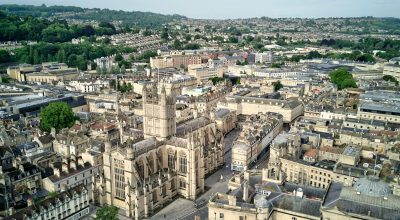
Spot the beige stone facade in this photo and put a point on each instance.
(250, 105)
(176, 61)
(172, 160)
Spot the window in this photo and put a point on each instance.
(182, 184)
(119, 179)
(221, 215)
(183, 164)
(155, 196)
(172, 185)
(294, 218)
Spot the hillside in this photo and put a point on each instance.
(133, 18)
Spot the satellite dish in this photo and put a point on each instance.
(366, 165)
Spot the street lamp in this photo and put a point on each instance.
(215, 215)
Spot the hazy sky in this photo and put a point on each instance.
(240, 8)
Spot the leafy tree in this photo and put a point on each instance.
(123, 69)
(113, 83)
(390, 79)
(233, 39)
(277, 65)
(277, 85)
(4, 56)
(118, 57)
(164, 35)
(146, 55)
(177, 44)
(216, 80)
(56, 115)
(98, 70)
(107, 212)
(4, 79)
(192, 46)
(343, 79)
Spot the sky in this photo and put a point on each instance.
(223, 9)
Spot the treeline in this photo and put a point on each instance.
(131, 19)
(390, 47)
(73, 55)
(355, 56)
(16, 28)
(43, 10)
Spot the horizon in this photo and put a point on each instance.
(311, 9)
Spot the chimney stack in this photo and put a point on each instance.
(245, 190)
(81, 162)
(64, 167)
(72, 165)
(56, 171)
(232, 200)
(30, 202)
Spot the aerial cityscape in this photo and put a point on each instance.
(129, 110)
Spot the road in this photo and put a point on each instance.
(183, 209)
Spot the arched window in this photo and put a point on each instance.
(171, 159)
(182, 163)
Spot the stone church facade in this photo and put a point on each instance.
(171, 160)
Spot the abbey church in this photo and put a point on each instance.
(171, 160)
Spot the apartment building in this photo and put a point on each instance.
(71, 204)
(176, 61)
(254, 105)
(257, 132)
(70, 173)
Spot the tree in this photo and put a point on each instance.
(4, 56)
(343, 79)
(177, 44)
(277, 85)
(107, 212)
(123, 69)
(216, 80)
(277, 65)
(98, 70)
(233, 39)
(56, 115)
(391, 79)
(113, 83)
(119, 57)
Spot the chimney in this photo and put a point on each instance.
(64, 167)
(30, 202)
(53, 132)
(245, 191)
(232, 200)
(299, 193)
(11, 211)
(21, 168)
(72, 165)
(56, 171)
(81, 162)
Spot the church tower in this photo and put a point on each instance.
(159, 113)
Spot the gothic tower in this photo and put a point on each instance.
(159, 113)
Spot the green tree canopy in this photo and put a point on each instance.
(277, 85)
(391, 79)
(343, 79)
(56, 115)
(216, 80)
(107, 212)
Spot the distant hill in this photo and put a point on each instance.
(134, 18)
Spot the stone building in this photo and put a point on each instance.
(68, 205)
(172, 160)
